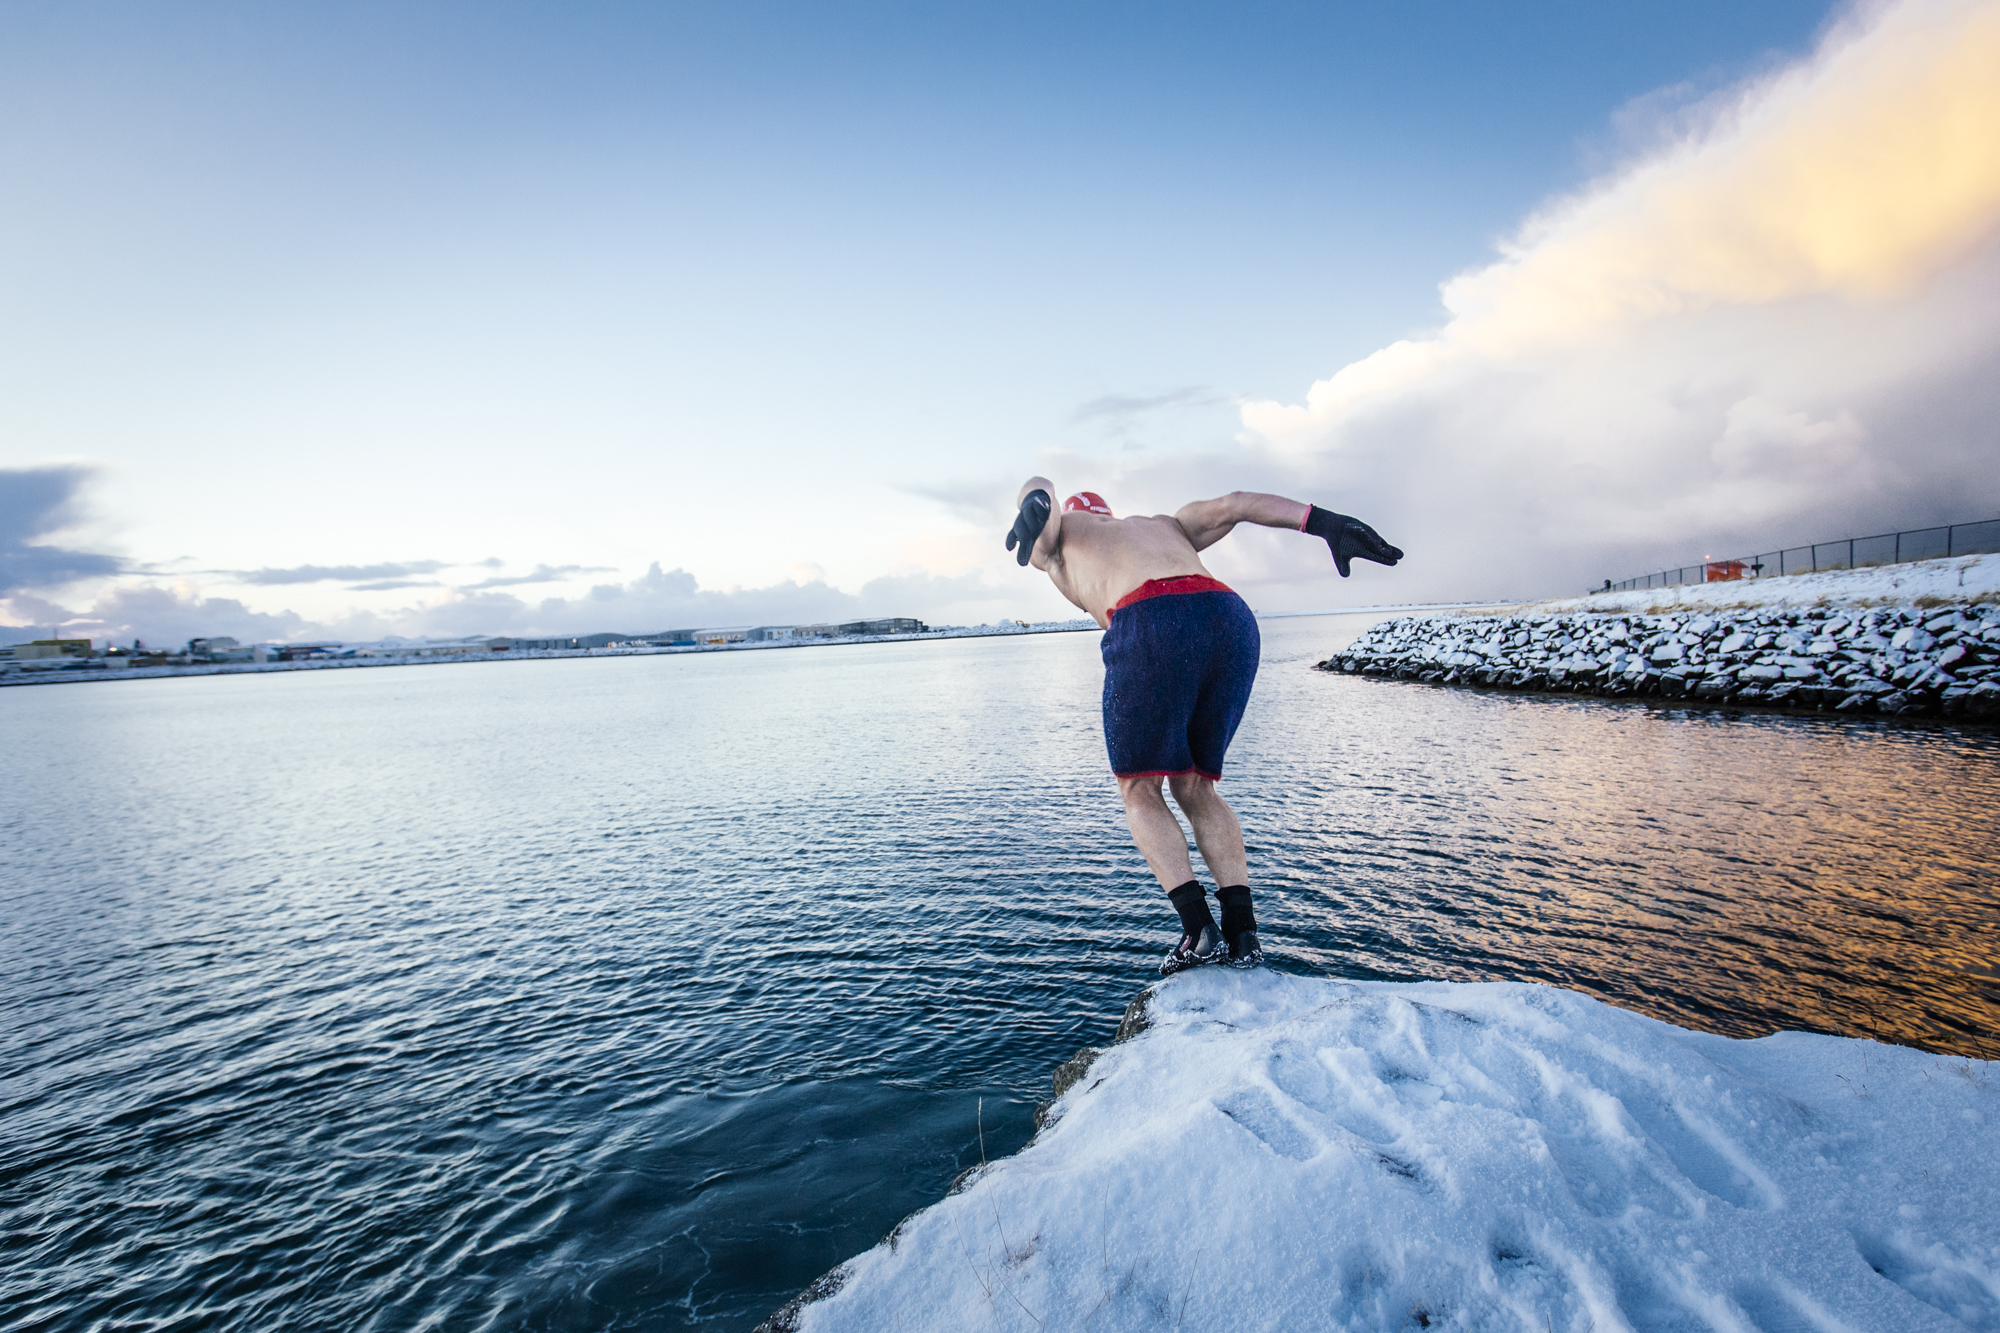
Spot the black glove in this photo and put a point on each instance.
(1348, 537)
(1028, 524)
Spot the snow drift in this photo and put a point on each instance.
(1958, 578)
(1276, 1152)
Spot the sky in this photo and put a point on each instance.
(355, 320)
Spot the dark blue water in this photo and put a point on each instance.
(635, 993)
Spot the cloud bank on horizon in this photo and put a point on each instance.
(1779, 323)
(37, 502)
(1779, 326)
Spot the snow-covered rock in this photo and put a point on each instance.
(1278, 1152)
(1921, 660)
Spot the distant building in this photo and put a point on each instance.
(574, 642)
(454, 648)
(666, 638)
(419, 648)
(50, 655)
(43, 649)
(532, 645)
(304, 652)
(771, 633)
(901, 625)
(711, 637)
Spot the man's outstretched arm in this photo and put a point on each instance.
(1207, 522)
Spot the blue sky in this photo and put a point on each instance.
(781, 297)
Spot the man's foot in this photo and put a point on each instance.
(1244, 951)
(1194, 951)
(1201, 938)
(1239, 926)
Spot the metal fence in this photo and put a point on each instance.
(1888, 548)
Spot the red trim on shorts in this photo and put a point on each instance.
(1179, 583)
(1307, 519)
(1171, 773)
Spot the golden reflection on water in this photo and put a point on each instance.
(1738, 873)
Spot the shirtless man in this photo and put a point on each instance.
(1180, 654)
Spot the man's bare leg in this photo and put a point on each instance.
(1220, 838)
(1159, 835)
(1216, 831)
(1164, 846)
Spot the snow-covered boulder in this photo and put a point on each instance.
(1276, 1152)
(1908, 660)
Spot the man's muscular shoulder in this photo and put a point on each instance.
(1159, 530)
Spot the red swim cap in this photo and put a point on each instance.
(1090, 502)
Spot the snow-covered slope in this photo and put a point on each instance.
(1278, 1152)
(1961, 578)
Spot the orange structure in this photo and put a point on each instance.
(1724, 571)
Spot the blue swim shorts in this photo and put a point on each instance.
(1179, 660)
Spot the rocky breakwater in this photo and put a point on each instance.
(1897, 660)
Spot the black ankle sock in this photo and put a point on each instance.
(1237, 915)
(1192, 904)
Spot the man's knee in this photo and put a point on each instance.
(1192, 789)
(1141, 790)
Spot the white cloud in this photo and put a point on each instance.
(1779, 326)
(656, 600)
(161, 616)
(1863, 172)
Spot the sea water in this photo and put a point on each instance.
(636, 992)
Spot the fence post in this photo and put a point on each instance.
(1949, 529)
(1850, 552)
(1899, 550)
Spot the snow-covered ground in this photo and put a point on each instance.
(1961, 578)
(1286, 1153)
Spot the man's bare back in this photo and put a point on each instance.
(1095, 559)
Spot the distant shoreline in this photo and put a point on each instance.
(84, 675)
(1385, 609)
